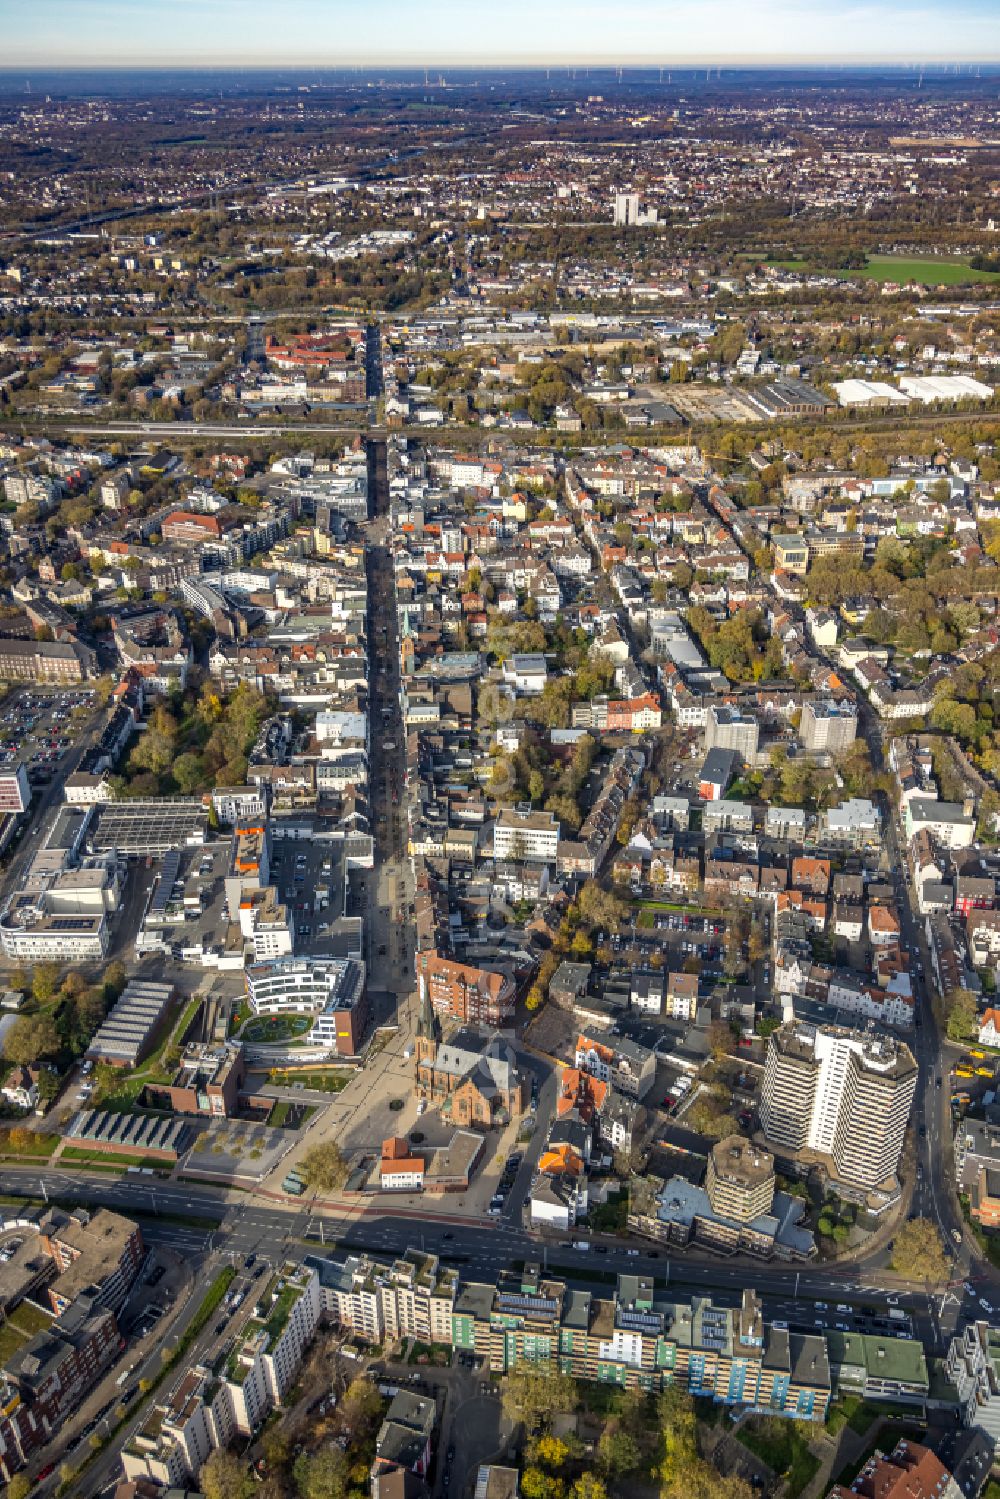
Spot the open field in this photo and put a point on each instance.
(924, 270)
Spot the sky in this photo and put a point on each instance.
(47, 33)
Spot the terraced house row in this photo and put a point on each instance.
(639, 1337)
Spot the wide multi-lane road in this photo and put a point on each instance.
(806, 1296)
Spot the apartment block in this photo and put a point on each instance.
(262, 1365)
(729, 729)
(839, 1100)
(828, 727)
(98, 1253)
(464, 992)
(973, 1367)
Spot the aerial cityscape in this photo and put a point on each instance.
(500, 752)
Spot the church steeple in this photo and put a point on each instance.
(427, 1022)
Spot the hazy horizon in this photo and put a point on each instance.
(326, 34)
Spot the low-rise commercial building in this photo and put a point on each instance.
(208, 1081)
(521, 834)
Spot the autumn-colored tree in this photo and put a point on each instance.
(225, 1476)
(534, 1393)
(918, 1253)
(44, 979)
(323, 1167)
(551, 1452)
(322, 1476)
(30, 1039)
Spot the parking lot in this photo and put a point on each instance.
(310, 878)
(507, 1178)
(38, 728)
(303, 874)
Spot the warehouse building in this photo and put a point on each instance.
(128, 1032)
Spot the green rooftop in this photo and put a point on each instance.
(900, 1360)
(270, 1318)
(277, 1318)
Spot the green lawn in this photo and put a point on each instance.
(273, 1028)
(10, 1342)
(24, 1321)
(609, 1217)
(30, 1319)
(324, 1079)
(239, 1016)
(124, 1094)
(855, 1412)
(190, 1011)
(678, 908)
(110, 1162)
(280, 1114)
(784, 1446)
(279, 1117)
(925, 270)
(37, 1146)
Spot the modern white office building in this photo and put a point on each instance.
(332, 990)
(525, 834)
